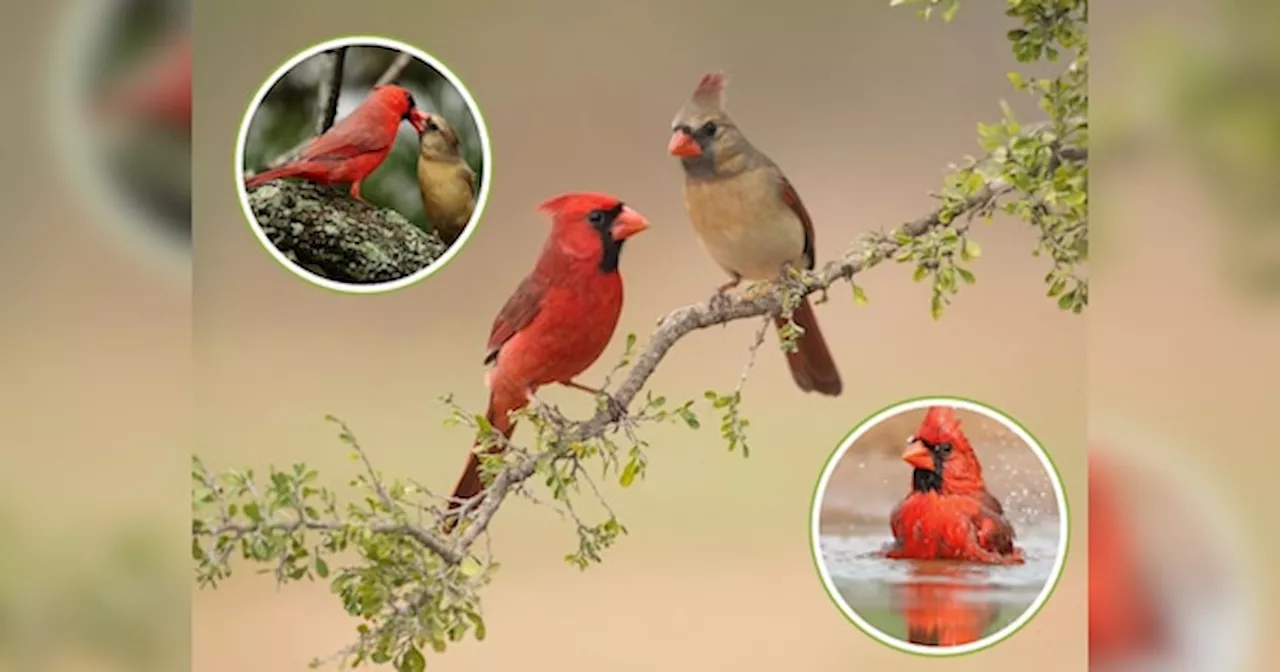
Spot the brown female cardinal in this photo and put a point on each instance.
(447, 183)
(748, 217)
(560, 317)
(355, 146)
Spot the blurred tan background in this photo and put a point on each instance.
(863, 107)
(1182, 354)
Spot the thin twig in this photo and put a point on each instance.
(393, 72)
(331, 91)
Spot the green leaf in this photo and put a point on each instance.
(965, 275)
(971, 250)
(412, 661)
(859, 296)
(1064, 301)
(920, 273)
(469, 567)
(252, 513)
(936, 307)
(322, 567)
(950, 12)
(629, 474)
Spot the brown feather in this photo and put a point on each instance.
(811, 364)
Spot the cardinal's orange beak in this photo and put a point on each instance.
(918, 456)
(418, 119)
(683, 145)
(628, 223)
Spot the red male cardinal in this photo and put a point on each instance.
(1124, 619)
(355, 146)
(560, 318)
(748, 217)
(949, 514)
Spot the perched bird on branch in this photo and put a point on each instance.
(560, 318)
(949, 513)
(748, 217)
(447, 183)
(353, 148)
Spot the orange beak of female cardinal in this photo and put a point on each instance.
(918, 456)
(683, 145)
(418, 119)
(628, 223)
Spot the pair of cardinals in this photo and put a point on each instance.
(563, 315)
(353, 148)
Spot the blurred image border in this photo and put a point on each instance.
(1126, 441)
(80, 32)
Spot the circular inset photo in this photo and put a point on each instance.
(939, 526)
(120, 90)
(363, 164)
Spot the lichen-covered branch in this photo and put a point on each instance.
(328, 233)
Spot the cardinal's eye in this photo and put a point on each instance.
(596, 217)
(708, 129)
(431, 126)
(943, 449)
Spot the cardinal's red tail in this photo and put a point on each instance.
(469, 484)
(811, 364)
(287, 170)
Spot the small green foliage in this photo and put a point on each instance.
(592, 539)
(732, 425)
(1042, 167)
(406, 594)
(859, 294)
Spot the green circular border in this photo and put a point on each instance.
(303, 275)
(813, 545)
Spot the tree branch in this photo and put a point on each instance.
(393, 72)
(679, 323)
(328, 233)
(330, 91)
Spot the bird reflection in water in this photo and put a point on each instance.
(943, 608)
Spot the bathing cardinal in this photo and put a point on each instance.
(560, 318)
(355, 146)
(748, 217)
(949, 513)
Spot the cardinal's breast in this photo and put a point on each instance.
(744, 224)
